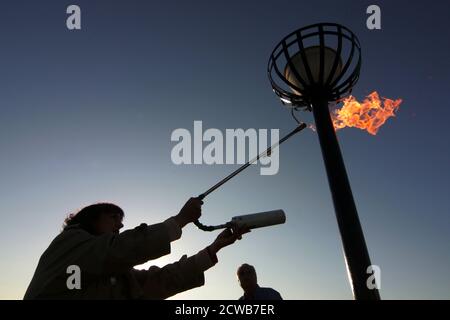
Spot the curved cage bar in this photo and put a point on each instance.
(323, 60)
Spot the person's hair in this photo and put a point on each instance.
(246, 266)
(88, 216)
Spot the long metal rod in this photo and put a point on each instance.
(355, 249)
(246, 165)
(203, 227)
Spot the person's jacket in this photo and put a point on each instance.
(106, 263)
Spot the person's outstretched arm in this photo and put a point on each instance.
(116, 253)
(185, 274)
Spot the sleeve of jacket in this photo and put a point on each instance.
(185, 274)
(116, 253)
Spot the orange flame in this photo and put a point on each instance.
(369, 115)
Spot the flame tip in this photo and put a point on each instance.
(369, 115)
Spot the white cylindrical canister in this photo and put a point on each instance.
(261, 219)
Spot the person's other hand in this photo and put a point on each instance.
(227, 237)
(191, 211)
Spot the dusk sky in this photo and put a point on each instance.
(87, 116)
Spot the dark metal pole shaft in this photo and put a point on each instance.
(355, 250)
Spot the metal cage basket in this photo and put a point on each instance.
(318, 60)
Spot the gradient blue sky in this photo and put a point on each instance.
(86, 116)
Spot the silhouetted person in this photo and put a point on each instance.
(249, 283)
(91, 240)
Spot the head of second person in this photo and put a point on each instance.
(247, 277)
